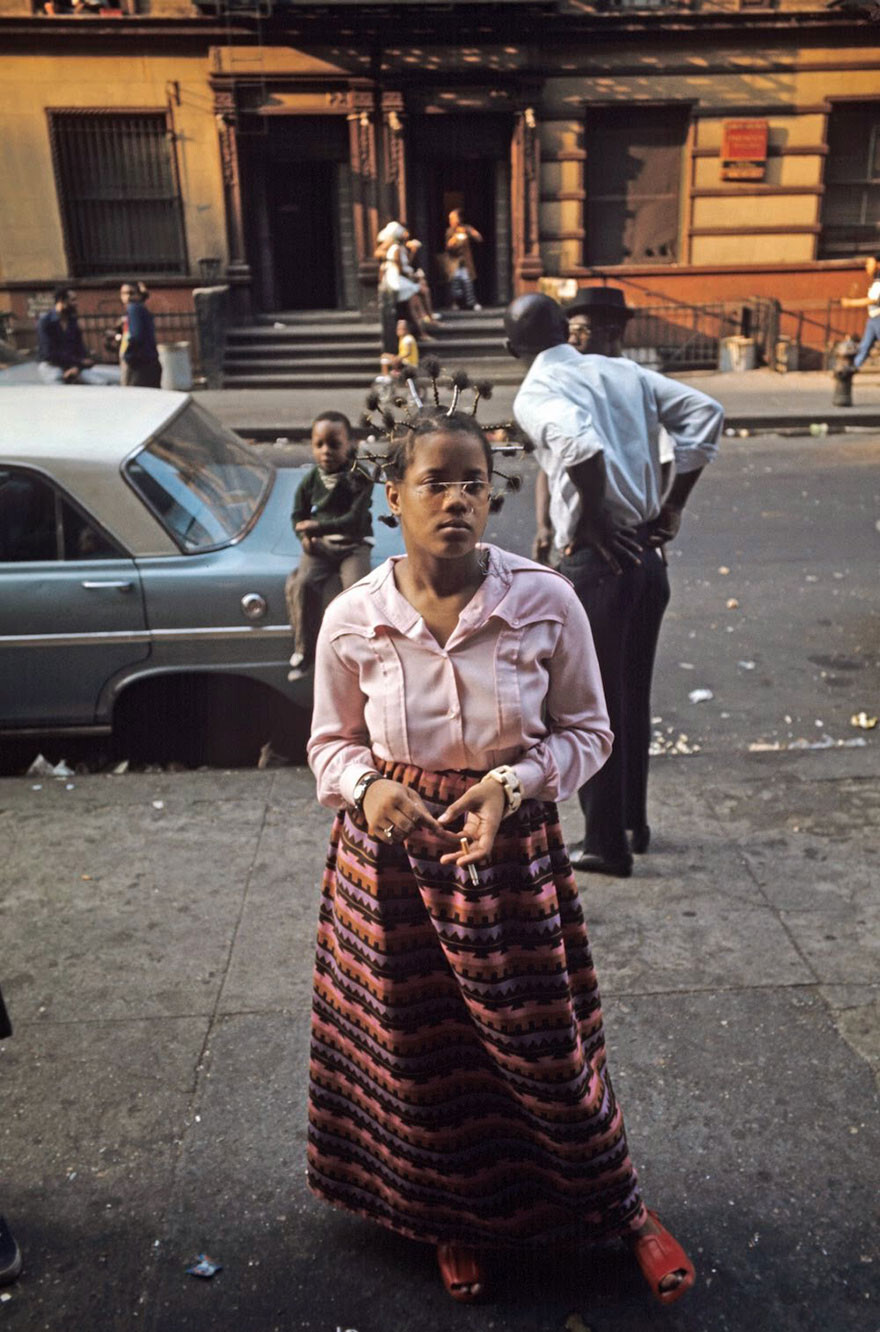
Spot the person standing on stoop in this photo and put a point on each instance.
(10, 1254)
(595, 420)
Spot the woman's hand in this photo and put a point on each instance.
(307, 527)
(483, 806)
(393, 810)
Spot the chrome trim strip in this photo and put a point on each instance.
(74, 640)
(226, 631)
(214, 634)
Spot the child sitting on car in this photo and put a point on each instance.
(331, 517)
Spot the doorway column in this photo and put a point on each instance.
(525, 201)
(393, 157)
(365, 210)
(238, 272)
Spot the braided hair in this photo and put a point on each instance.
(431, 421)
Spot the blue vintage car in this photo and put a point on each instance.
(143, 553)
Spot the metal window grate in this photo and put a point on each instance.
(117, 187)
(851, 203)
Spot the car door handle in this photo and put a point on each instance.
(120, 584)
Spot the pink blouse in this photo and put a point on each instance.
(516, 683)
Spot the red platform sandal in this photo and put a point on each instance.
(461, 1272)
(659, 1255)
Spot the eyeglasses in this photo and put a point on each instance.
(434, 492)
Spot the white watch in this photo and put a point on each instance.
(507, 778)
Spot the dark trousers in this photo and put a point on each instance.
(625, 612)
(147, 374)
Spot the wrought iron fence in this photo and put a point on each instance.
(817, 327)
(672, 335)
(99, 332)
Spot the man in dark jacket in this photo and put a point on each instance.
(138, 354)
(63, 356)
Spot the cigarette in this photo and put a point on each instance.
(472, 869)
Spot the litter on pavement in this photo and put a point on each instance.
(775, 746)
(204, 1266)
(41, 767)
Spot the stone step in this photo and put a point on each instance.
(478, 349)
(340, 348)
(490, 332)
(355, 316)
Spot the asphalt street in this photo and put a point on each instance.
(156, 934)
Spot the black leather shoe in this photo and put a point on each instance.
(588, 863)
(640, 839)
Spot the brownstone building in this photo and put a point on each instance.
(704, 150)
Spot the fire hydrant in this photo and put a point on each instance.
(843, 368)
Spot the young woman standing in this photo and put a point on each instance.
(458, 1089)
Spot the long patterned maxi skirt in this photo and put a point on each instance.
(458, 1087)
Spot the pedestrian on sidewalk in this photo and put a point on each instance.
(459, 1092)
(138, 353)
(597, 320)
(331, 517)
(870, 302)
(595, 421)
(10, 1254)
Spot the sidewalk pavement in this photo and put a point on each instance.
(157, 937)
(754, 400)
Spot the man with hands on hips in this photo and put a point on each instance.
(596, 420)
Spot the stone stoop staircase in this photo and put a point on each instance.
(341, 349)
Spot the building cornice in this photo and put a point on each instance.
(380, 25)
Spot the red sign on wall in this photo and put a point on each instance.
(743, 149)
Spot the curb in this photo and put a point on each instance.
(783, 423)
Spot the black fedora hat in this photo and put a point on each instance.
(609, 301)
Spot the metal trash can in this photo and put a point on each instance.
(176, 364)
(737, 354)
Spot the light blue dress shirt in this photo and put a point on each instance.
(573, 406)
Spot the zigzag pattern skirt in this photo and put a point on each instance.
(458, 1085)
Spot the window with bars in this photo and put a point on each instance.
(851, 204)
(117, 188)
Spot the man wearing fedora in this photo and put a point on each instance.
(596, 321)
(596, 420)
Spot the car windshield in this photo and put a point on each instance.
(200, 480)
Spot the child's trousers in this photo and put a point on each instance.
(312, 586)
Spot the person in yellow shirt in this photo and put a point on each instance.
(407, 346)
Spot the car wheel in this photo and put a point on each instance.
(215, 720)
